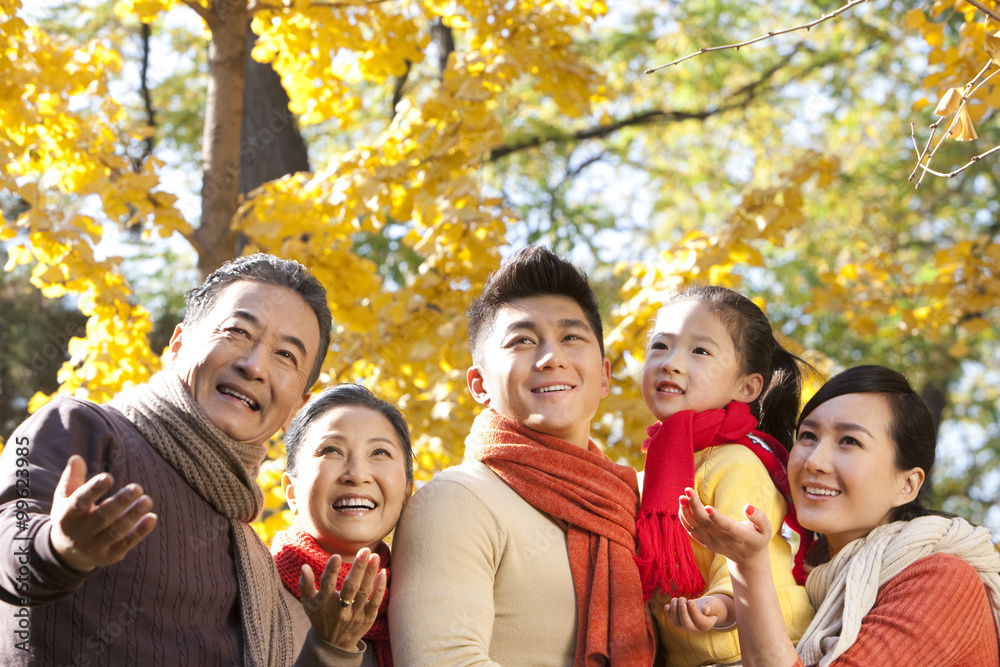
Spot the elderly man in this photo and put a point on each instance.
(91, 576)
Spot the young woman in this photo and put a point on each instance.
(902, 584)
(350, 471)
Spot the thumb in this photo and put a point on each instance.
(73, 477)
(758, 519)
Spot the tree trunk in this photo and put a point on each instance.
(214, 238)
(271, 145)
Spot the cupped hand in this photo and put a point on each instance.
(697, 615)
(87, 534)
(738, 541)
(343, 617)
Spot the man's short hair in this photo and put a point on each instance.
(531, 271)
(270, 270)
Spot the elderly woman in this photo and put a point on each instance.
(901, 584)
(350, 471)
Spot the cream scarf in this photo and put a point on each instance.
(844, 590)
(224, 473)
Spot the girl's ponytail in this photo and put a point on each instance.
(779, 401)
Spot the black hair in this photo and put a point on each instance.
(911, 426)
(531, 271)
(342, 395)
(758, 351)
(270, 270)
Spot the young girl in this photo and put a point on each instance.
(713, 375)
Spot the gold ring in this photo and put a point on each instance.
(345, 603)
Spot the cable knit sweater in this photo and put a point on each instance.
(727, 477)
(173, 599)
(934, 614)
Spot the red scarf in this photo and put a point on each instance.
(292, 548)
(666, 559)
(595, 501)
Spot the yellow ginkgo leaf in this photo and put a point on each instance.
(992, 46)
(963, 130)
(950, 103)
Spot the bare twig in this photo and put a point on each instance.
(965, 166)
(769, 35)
(984, 9)
(970, 89)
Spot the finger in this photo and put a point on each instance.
(758, 519)
(328, 582)
(352, 582)
(684, 616)
(73, 476)
(126, 522)
(113, 509)
(83, 497)
(370, 572)
(375, 601)
(307, 583)
(700, 617)
(142, 528)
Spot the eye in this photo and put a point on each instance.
(289, 356)
(520, 340)
(806, 435)
(573, 337)
(658, 345)
(328, 450)
(382, 452)
(239, 331)
(700, 350)
(848, 440)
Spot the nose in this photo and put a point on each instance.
(252, 363)
(818, 458)
(356, 470)
(550, 355)
(671, 361)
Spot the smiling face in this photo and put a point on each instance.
(350, 481)
(692, 363)
(246, 362)
(842, 469)
(542, 367)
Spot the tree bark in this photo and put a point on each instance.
(214, 239)
(271, 145)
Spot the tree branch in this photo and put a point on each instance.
(746, 94)
(144, 90)
(984, 9)
(204, 13)
(769, 35)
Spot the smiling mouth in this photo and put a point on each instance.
(354, 505)
(814, 491)
(552, 388)
(249, 402)
(670, 388)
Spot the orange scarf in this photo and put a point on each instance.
(595, 501)
(294, 547)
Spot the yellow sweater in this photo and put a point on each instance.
(727, 477)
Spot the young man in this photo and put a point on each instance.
(523, 555)
(91, 576)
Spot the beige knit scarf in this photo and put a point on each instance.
(224, 473)
(844, 590)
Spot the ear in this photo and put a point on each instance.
(910, 487)
(749, 388)
(606, 378)
(477, 385)
(174, 347)
(288, 488)
(294, 410)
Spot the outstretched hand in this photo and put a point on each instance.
(700, 614)
(343, 617)
(87, 534)
(738, 541)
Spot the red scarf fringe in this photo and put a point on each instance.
(666, 559)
